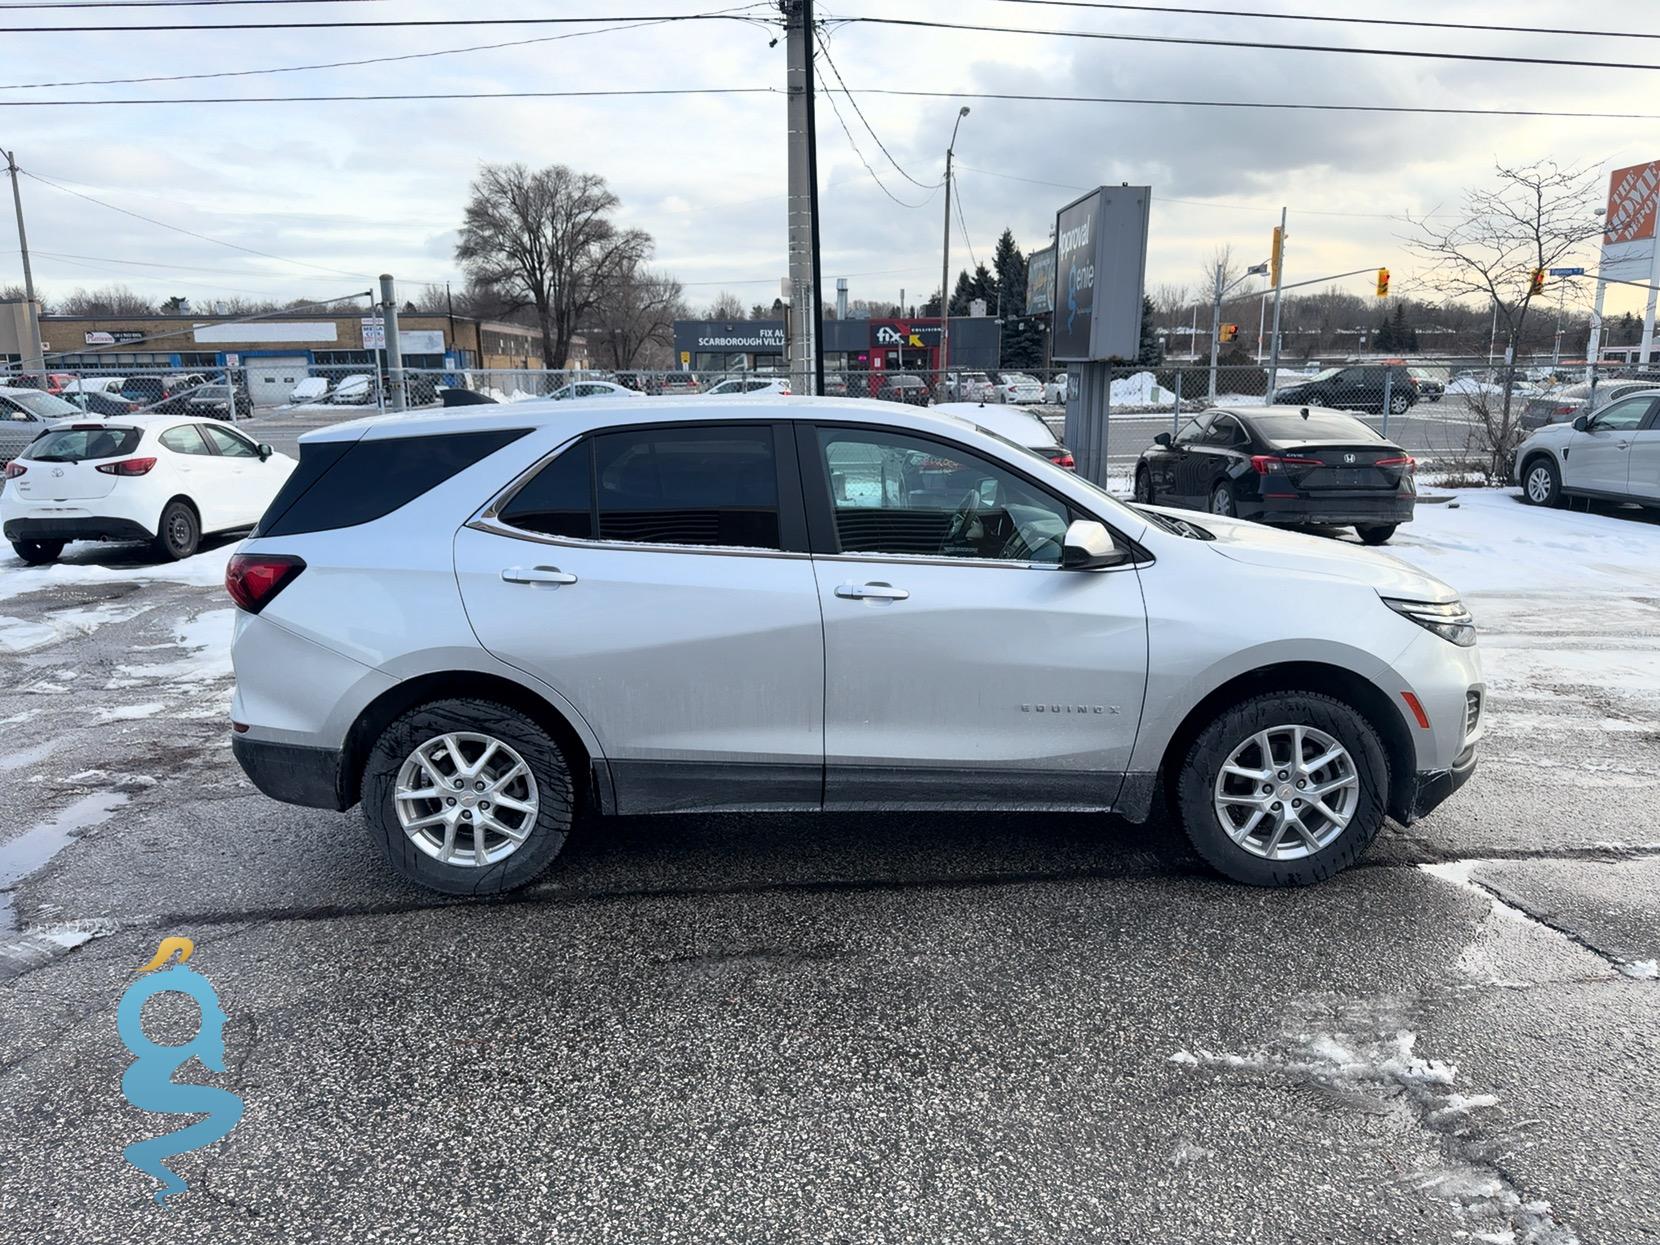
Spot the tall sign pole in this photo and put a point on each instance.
(1276, 268)
(804, 312)
(32, 358)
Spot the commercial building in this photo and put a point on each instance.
(276, 350)
(849, 345)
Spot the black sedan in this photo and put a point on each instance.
(104, 404)
(1286, 465)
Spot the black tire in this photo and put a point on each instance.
(38, 552)
(556, 797)
(1143, 486)
(179, 533)
(1221, 501)
(1196, 784)
(1542, 482)
(1376, 535)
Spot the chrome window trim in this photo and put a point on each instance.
(917, 559)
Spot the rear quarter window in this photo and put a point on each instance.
(345, 483)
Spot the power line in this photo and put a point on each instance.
(424, 95)
(371, 60)
(824, 48)
(957, 194)
(404, 23)
(880, 185)
(1213, 13)
(1485, 57)
(1220, 103)
(187, 232)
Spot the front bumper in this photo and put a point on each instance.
(71, 527)
(292, 773)
(1433, 787)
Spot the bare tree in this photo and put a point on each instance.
(546, 240)
(1532, 219)
(15, 294)
(634, 318)
(108, 300)
(727, 306)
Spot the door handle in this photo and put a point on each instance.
(871, 592)
(537, 575)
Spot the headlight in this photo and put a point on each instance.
(1452, 622)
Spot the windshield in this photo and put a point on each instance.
(43, 404)
(74, 445)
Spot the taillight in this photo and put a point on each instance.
(14, 469)
(1065, 460)
(1566, 410)
(127, 467)
(1405, 462)
(253, 579)
(1266, 464)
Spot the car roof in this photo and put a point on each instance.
(583, 414)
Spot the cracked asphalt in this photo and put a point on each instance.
(836, 1028)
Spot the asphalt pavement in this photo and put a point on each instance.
(831, 1028)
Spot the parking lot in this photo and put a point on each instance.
(923, 1027)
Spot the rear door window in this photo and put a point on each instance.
(688, 486)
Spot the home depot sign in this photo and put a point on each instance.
(1628, 238)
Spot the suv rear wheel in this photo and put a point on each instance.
(1284, 789)
(38, 552)
(467, 797)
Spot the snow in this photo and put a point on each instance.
(19, 635)
(1642, 970)
(1141, 389)
(204, 570)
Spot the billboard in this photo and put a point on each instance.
(1628, 243)
(1100, 268)
(1040, 281)
(905, 334)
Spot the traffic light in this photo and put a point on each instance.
(1275, 252)
(1383, 283)
(1230, 332)
(1538, 282)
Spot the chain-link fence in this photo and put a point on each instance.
(1458, 416)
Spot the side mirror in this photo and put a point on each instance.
(1162, 439)
(1582, 423)
(265, 451)
(1088, 546)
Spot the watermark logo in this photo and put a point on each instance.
(148, 1082)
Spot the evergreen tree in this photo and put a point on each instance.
(1401, 334)
(1151, 352)
(1383, 337)
(1023, 342)
(962, 294)
(1010, 266)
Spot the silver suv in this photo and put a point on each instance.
(477, 625)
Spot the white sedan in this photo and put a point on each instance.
(161, 478)
(1017, 387)
(593, 389)
(95, 384)
(748, 387)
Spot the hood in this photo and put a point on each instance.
(1547, 434)
(1257, 545)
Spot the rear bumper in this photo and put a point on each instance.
(1339, 511)
(70, 528)
(291, 773)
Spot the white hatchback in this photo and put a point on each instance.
(159, 478)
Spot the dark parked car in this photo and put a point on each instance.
(1354, 387)
(1432, 386)
(104, 404)
(209, 402)
(912, 390)
(164, 395)
(1284, 465)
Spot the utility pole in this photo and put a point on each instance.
(945, 253)
(394, 352)
(1276, 265)
(32, 359)
(806, 312)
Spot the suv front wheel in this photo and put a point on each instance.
(467, 797)
(1284, 789)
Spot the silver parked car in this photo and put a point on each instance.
(1564, 405)
(476, 624)
(1613, 455)
(24, 415)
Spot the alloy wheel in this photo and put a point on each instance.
(1221, 502)
(1287, 792)
(1539, 485)
(466, 799)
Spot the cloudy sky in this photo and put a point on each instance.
(343, 190)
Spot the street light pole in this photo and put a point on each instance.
(945, 251)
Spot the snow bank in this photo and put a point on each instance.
(84, 565)
(1142, 389)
